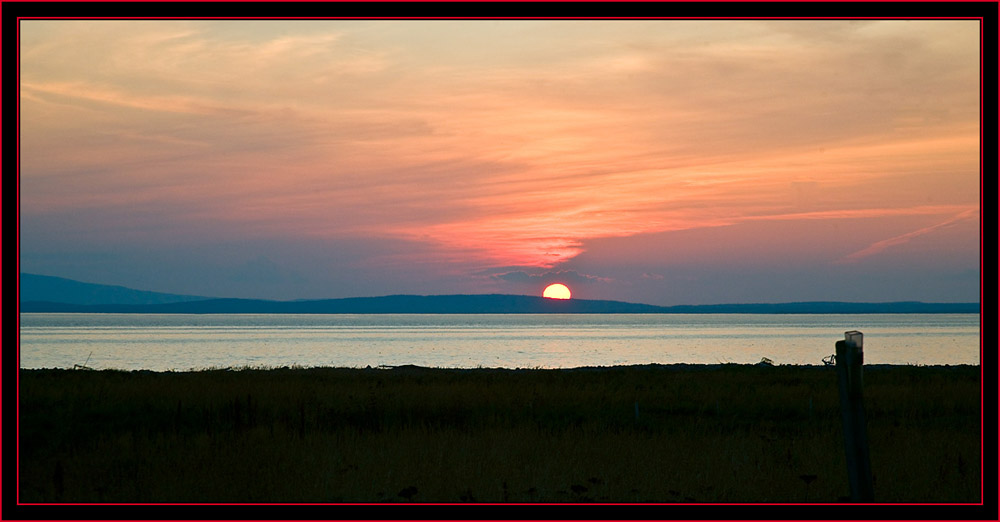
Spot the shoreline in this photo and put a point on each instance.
(678, 367)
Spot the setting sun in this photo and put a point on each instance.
(556, 291)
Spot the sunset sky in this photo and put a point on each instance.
(653, 161)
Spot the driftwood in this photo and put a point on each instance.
(84, 365)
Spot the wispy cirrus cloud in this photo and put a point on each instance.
(556, 276)
(861, 213)
(91, 92)
(880, 246)
(490, 143)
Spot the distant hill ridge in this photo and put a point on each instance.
(36, 287)
(125, 300)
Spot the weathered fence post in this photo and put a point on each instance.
(850, 358)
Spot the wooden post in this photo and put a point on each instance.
(850, 358)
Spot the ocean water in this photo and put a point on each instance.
(182, 342)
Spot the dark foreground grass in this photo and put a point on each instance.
(723, 433)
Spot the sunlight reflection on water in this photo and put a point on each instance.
(183, 342)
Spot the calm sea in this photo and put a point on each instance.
(184, 342)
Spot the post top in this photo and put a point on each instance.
(854, 338)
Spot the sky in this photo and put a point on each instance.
(652, 161)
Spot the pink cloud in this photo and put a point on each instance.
(492, 150)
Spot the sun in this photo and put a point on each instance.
(556, 291)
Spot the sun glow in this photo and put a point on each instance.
(556, 291)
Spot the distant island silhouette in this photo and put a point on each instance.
(54, 294)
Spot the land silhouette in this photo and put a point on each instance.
(635, 434)
(51, 294)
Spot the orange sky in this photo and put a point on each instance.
(471, 150)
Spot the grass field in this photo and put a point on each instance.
(677, 433)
